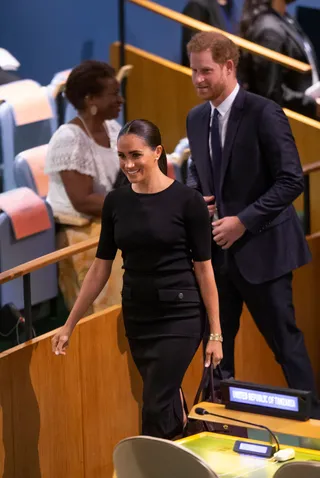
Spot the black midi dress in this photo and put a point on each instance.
(160, 235)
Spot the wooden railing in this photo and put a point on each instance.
(46, 260)
(241, 42)
(311, 168)
(24, 271)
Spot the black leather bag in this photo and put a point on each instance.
(197, 426)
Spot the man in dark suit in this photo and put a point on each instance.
(245, 163)
(267, 23)
(213, 12)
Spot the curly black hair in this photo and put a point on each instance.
(84, 80)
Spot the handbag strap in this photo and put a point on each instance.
(207, 370)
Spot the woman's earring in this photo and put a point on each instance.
(93, 110)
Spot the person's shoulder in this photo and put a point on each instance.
(263, 111)
(269, 22)
(121, 192)
(187, 193)
(67, 135)
(199, 110)
(259, 103)
(192, 4)
(116, 197)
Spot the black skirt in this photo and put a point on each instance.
(164, 326)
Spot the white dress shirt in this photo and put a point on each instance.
(224, 109)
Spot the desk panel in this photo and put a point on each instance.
(218, 452)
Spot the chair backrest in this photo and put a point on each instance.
(13, 252)
(148, 457)
(15, 138)
(29, 170)
(299, 469)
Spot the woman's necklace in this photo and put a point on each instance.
(89, 132)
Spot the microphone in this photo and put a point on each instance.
(203, 411)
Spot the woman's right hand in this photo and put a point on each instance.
(60, 341)
(214, 353)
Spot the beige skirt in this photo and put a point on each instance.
(73, 270)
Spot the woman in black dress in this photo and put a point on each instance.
(163, 230)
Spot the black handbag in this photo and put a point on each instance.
(207, 386)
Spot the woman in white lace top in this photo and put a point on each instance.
(82, 164)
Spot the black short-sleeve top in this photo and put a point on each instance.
(158, 232)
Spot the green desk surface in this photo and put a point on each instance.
(218, 452)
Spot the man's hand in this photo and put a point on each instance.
(227, 230)
(210, 200)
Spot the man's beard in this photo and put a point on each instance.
(217, 90)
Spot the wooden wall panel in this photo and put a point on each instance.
(7, 461)
(307, 304)
(162, 91)
(57, 385)
(192, 378)
(47, 411)
(111, 391)
(253, 358)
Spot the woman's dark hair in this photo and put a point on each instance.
(252, 9)
(150, 133)
(85, 79)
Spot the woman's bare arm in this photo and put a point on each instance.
(205, 278)
(79, 188)
(93, 284)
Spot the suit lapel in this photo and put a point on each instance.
(204, 154)
(232, 128)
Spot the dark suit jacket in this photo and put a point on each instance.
(261, 176)
(270, 79)
(206, 11)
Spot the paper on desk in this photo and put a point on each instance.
(7, 61)
(314, 90)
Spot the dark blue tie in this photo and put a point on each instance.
(216, 150)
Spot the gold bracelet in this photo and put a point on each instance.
(216, 337)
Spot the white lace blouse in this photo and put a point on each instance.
(71, 149)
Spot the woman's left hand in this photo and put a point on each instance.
(214, 353)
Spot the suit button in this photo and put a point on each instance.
(180, 295)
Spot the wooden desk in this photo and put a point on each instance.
(217, 451)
